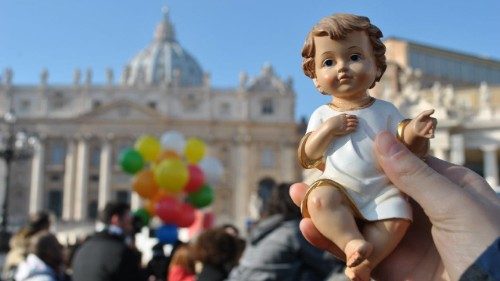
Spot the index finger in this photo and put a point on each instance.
(313, 236)
(425, 113)
(464, 177)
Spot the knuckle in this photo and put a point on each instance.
(470, 178)
(409, 170)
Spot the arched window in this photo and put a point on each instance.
(57, 100)
(267, 106)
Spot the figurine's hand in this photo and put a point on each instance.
(424, 125)
(342, 124)
(440, 243)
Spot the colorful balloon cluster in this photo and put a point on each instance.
(174, 177)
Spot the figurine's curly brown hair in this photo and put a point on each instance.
(337, 26)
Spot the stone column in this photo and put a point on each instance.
(104, 174)
(241, 178)
(490, 163)
(457, 153)
(37, 177)
(3, 174)
(69, 180)
(82, 178)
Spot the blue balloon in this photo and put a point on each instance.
(167, 234)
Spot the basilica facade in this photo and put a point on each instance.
(82, 127)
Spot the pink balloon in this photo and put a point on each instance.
(186, 216)
(196, 179)
(168, 209)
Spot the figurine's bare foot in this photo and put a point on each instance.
(361, 272)
(356, 251)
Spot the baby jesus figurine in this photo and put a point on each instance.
(344, 56)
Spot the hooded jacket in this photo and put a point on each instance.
(276, 250)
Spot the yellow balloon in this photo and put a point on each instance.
(148, 146)
(172, 175)
(194, 150)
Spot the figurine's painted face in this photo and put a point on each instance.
(344, 68)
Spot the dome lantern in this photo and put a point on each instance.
(164, 61)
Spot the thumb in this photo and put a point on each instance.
(435, 193)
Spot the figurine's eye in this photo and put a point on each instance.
(355, 57)
(328, 62)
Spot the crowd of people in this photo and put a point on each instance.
(454, 236)
(275, 250)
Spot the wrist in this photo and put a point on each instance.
(417, 145)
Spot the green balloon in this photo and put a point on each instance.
(143, 215)
(202, 197)
(131, 161)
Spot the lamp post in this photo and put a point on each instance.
(16, 146)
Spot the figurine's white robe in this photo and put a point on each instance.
(350, 161)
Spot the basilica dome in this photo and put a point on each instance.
(163, 62)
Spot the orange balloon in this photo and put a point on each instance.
(167, 154)
(159, 195)
(144, 183)
(162, 193)
(150, 206)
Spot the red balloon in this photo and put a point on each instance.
(187, 216)
(196, 179)
(168, 209)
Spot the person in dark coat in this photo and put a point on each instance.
(106, 256)
(157, 267)
(277, 251)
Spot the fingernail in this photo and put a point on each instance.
(388, 145)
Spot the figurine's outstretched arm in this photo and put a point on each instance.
(314, 144)
(415, 133)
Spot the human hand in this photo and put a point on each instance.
(424, 125)
(342, 124)
(455, 216)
